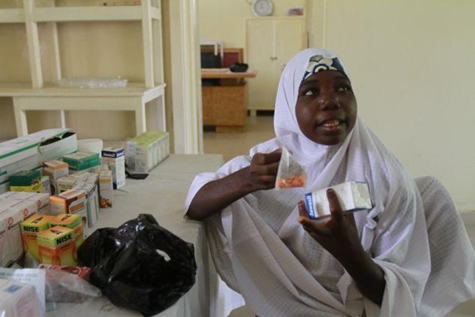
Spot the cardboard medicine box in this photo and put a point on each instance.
(57, 245)
(72, 221)
(81, 161)
(18, 299)
(114, 157)
(26, 181)
(106, 189)
(71, 202)
(55, 170)
(29, 232)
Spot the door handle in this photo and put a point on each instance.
(273, 58)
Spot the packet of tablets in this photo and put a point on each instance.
(290, 173)
(352, 196)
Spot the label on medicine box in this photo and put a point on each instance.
(352, 196)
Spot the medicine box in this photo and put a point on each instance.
(146, 151)
(115, 158)
(81, 161)
(26, 181)
(57, 245)
(106, 189)
(71, 202)
(352, 196)
(70, 221)
(29, 232)
(55, 170)
(18, 299)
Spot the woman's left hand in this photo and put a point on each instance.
(339, 235)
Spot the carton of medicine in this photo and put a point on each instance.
(57, 245)
(19, 299)
(70, 221)
(26, 181)
(106, 189)
(81, 161)
(115, 158)
(55, 170)
(352, 196)
(29, 232)
(70, 202)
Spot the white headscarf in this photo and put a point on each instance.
(261, 251)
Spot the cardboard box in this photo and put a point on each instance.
(18, 300)
(351, 195)
(38, 202)
(14, 209)
(80, 271)
(71, 202)
(57, 245)
(146, 151)
(89, 183)
(26, 181)
(114, 157)
(55, 170)
(81, 161)
(72, 221)
(106, 189)
(29, 232)
(31, 151)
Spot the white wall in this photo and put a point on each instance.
(412, 66)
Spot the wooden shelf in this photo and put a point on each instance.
(12, 16)
(25, 90)
(70, 14)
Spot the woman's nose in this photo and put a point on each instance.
(329, 101)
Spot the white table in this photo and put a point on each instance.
(163, 194)
(132, 98)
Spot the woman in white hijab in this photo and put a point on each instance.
(370, 263)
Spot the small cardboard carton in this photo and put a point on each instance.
(57, 245)
(29, 232)
(114, 157)
(82, 161)
(70, 221)
(73, 201)
(55, 170)
(106, 189)
(18, 299)
(26, 181)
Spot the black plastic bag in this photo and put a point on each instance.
(140, 265)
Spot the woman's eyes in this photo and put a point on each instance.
(310, 92)
(343, 88)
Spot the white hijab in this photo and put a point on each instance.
(262, 252)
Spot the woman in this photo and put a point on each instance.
(374, 262)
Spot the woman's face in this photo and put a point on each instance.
(326, 107)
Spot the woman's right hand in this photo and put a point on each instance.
(262, 172)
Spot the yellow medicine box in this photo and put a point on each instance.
(29, 232)
(57, 246)
(72, 221)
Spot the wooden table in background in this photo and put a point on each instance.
(225, 106)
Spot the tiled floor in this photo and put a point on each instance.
(257, 130)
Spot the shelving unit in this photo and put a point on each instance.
(39, 96)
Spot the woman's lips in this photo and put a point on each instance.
(332, 126)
